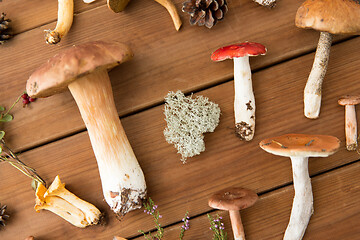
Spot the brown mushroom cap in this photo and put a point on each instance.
(333, 16)
(349, 100)
(301, 145)
(62, 69)
(233, 199)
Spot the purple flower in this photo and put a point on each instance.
(160, 216)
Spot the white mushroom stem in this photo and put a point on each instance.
(236, 224)
(170, 7)
(350, 127)
(244, 103)
(302, 207)
(122, 179)
(312, 92)
(64, 22)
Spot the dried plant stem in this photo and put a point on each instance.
(14, 161)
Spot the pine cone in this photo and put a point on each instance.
(3, 216)
(205, 12)
(4, 28)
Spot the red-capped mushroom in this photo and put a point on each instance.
(244, 103)
(234, 200)
(350, 120)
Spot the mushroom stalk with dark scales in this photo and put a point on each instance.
(244, 100)
(299, 147)
(329, 17)
(234, 200)
(87, 78)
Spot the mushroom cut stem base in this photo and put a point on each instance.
(302, 207)
(122, 179)
(237, 225)
(64, 22)
(312, 92)
(244, 102)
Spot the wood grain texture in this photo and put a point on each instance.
(164, 59)
(177, 187)
(336, 213)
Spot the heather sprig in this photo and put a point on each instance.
(218, 228)
(151, 209)
(185, 225)
(6, 154)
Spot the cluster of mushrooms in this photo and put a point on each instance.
(123, 181)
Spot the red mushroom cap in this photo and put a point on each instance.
(238, 50)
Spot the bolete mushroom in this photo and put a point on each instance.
(64, 22)
(233, 200)
(244, 103)
(67, 205)
(350, 120)
(83, 69)
(299, 147)
(329, 17)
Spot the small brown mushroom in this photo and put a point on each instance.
(350, 120)
(234, 200)
(329, 17)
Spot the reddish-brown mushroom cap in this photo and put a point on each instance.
(349, 100)
(59, 71)
(238, 50)
(233, 199)
(301, 145)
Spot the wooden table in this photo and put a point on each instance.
(52, 138)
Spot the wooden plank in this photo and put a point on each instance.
(164, 59)
(29, 14)
(177, 187)
(336, 212)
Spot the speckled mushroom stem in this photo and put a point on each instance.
(236, 224)
(302, 207)
(64, 22)
(244, 103)
(122, 179)
(170, 7)
(312, 92)
(350, 128)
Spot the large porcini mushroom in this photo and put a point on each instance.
(83, 70)
(299, 147)
(67, 205)
(244, 103)
(350, 120)
(64, 22)
(329, 17)
(233, 200)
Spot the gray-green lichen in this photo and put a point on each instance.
(187, 119)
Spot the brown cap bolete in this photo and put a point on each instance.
(83, 70)
(329, 17)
